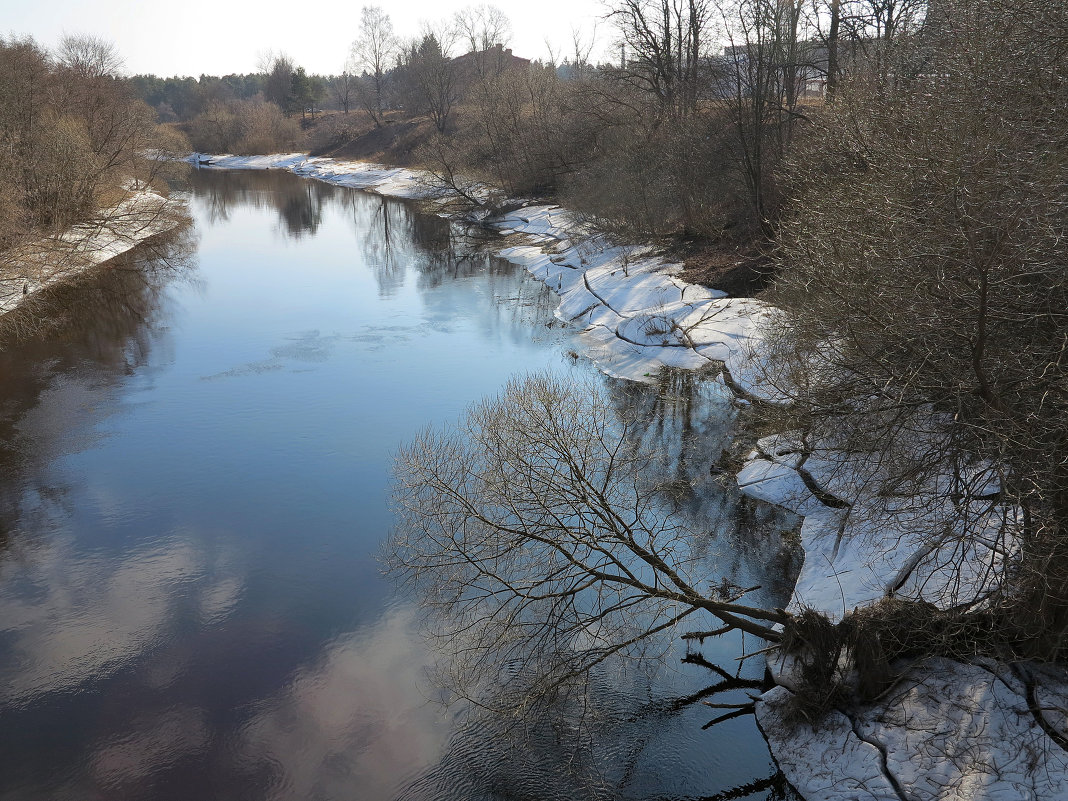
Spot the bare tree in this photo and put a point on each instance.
(89, 57)
(664, 44)
(544, 543)
(831, 41)
(343, 88)
(25, 87)
(74, 145)
(888, 19)
(763, 80)
(486, 30)
(373, 52)
(852, 34)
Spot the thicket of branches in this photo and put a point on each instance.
(617, 141)
(544, 534)
(243, 126)
(685, 134)
(926, 289)
(71, 133)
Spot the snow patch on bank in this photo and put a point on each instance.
(30, 268)
(868, 548)
(635, 315)
(949, 731)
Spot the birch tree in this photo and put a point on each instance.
(373, 52)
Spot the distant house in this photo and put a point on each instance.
(491, 62)
(810, 67)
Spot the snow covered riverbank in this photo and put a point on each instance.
(32, 267)
(636, 316)
(946, 730)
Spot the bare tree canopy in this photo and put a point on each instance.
(664, 44)
(343, 87)
(89, 56)
(485, 30)
(483, 26)
(925, 281)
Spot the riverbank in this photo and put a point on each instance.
(635, 313)
(53, 260)
(946, 730)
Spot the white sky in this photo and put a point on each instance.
(216, 37)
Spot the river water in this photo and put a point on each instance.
(195, 489)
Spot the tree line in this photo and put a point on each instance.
(724, 84)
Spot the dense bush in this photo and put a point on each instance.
(244, 127)
(924, 274)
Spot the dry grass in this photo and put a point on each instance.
(355, 136)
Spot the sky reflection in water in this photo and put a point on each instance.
(195, 488)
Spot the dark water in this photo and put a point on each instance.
(195, 474)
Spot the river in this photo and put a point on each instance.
(196, 488)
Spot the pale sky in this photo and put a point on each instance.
(216, 37)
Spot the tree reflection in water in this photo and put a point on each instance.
(623, 728)
(299, 203)
(108, 319)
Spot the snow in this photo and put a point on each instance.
(142, 214)
(875, 547)
(850, 769)
(636, 315)
(949, 731)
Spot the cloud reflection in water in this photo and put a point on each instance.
(72, 617)
(351, 725)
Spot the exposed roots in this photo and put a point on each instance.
(863, 656)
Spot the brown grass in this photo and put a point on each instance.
(355, 136)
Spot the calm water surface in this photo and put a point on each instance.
(195, 488)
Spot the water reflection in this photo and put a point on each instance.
(395, 241)
(630, 729)
(299, 204)
(107, 325)
(194, 489)
(690, 418)
(91, 616)
(125, 764)
(356, 712)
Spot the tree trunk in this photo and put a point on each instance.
(832, 49)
